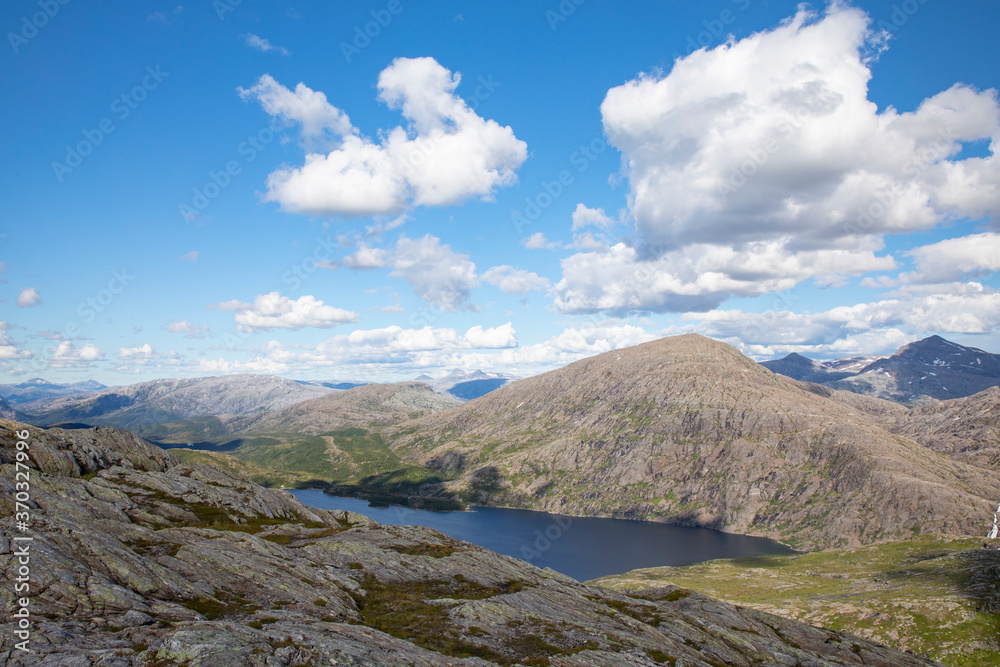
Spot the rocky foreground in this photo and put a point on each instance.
(140, 560)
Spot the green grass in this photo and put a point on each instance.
(935, 596)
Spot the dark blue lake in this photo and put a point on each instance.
(580, 547)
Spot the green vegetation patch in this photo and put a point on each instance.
(403, 611)
(932, 595)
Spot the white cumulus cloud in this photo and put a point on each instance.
(66, 354)
(444, 155)
(774, 135)
(273, 311)
(29, 297)
(762, 163)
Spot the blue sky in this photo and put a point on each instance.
(372, 190)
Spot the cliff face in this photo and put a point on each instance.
(139, 560)
(688, 430)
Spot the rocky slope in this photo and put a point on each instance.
(167, 400)
(927, 370)
(687, 430)
(965, 429)
(139, 560)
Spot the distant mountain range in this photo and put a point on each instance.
(168, 400)
(37, 388)
(466, 386)
(927, 370)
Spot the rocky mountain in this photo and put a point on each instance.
(965, 429)
(36, 389)
(687, 430)
(929, 369)
(168, 400)
(466, 386)
(137, 559)
(802, 368)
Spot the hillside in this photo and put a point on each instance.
(168, 400)
(688, 430)
(137, 559)
(336, 437)
(926, 370)
(965, 429)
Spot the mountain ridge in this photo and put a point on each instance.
(164, 400)
(690, 431)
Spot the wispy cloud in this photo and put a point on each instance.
(263, 45)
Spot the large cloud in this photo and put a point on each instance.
(273, 311)
(445, 155)
(751, 163)
(774, 136)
